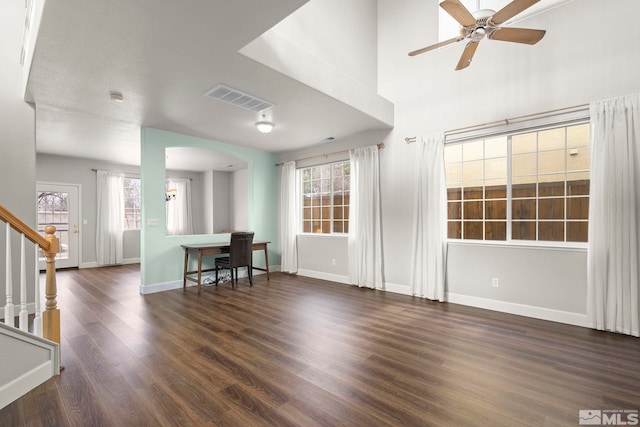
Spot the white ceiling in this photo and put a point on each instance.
(162, 56)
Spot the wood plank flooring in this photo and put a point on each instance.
(303, 352)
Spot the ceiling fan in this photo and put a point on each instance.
(485, 23)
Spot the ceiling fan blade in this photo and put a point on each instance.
(435, 46)
(511, 10)
(467, 55)
(458, 12)
(517, 35)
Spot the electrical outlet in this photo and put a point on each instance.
(333, 261)
(494, 282)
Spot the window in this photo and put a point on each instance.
(53, 210)
(132, 203)
(325, 198)
(520, 187)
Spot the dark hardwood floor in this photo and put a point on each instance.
(302, 352)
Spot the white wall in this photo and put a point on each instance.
(505, 80)
(239, 200)
(198, 201)
(207, 201)
(330, 46)
(78, 171)
(221, 201)
(572, 65)
(17, 143)
(321, 25)
(325, 257)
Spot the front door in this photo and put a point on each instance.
(58, 205)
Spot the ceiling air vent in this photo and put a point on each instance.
(237, 98)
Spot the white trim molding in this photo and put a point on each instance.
(338, 278)
(543, 313)
(576, 319)
(177, 284)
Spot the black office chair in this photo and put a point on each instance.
(240, 255)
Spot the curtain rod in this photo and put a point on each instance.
(380, 146)
(411, 139)
(124, 173)
(137, 175)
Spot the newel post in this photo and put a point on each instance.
(51, 315)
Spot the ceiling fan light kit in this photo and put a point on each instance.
(485, 23)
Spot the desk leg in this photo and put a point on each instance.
(266, 260)
(186, 264)
(199, 270)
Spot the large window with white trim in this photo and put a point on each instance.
(526, 186)
(325, 198)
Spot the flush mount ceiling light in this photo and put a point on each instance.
(116, 96)
(264, 126)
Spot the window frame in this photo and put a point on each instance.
(124, 204)
(301, 208)
(509, 134)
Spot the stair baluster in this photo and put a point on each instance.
(23, 317)
(8, 308)
(37, 320)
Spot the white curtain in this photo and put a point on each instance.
(365, 242)
(288, 218)
(429, 220)
(110, 218)
(178, 211)
(614, 211)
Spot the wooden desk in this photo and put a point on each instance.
(204, 249)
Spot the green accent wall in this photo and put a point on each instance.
(161, 257)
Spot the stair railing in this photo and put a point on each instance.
(47, 324)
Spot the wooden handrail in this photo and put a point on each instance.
(50, 245)
(18, 225)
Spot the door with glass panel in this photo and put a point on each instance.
(58, 205)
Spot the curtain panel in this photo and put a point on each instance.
(178, 210)
(429, 220)
(110, 218)
(614, 233)
(289, 208)
(365, 242)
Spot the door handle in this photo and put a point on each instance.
(75, 229)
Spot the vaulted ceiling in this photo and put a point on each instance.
(162, 56)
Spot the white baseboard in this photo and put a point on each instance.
(94, 264)
(577, 319)
(177, 284)
(42, 364)
(161, 287)
(88, 265)
(397, 289)
(338, 278)
(324, 276)
(25, 383)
